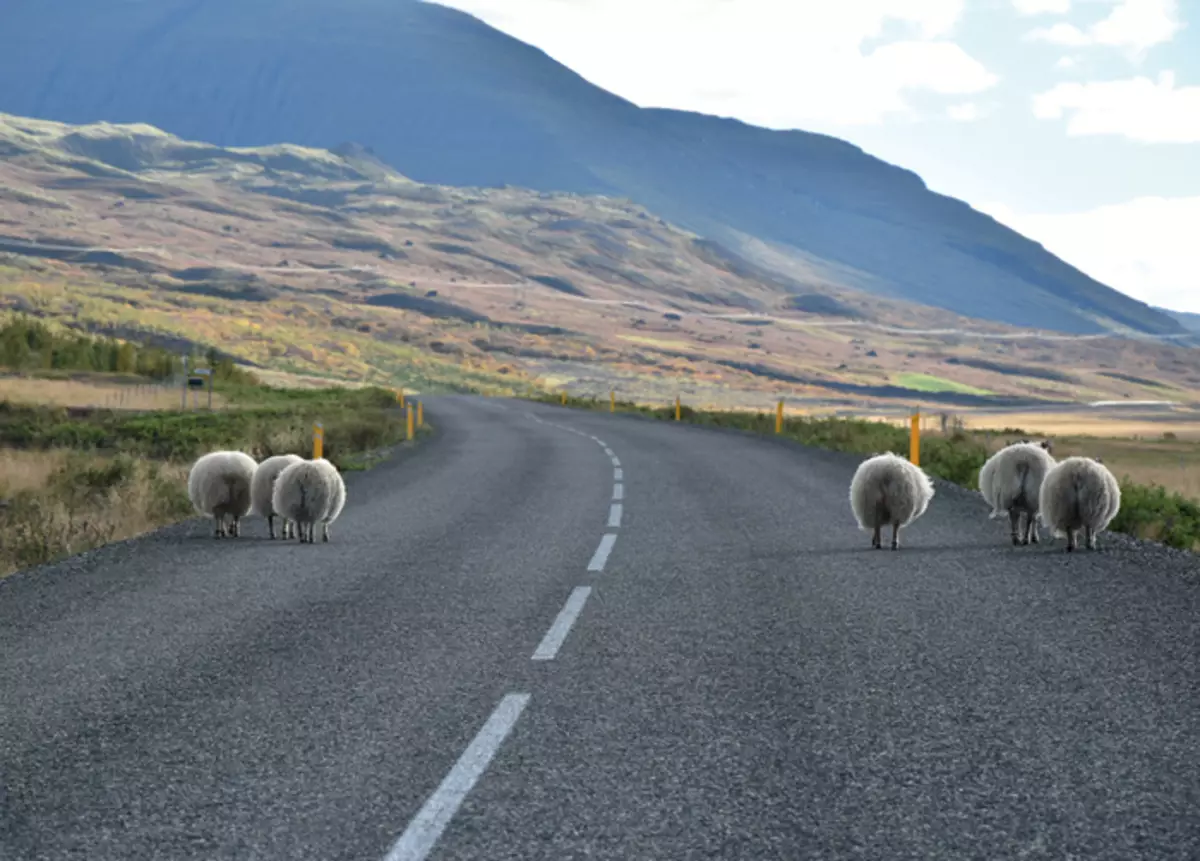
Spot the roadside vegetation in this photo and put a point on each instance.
(1159, 489)
(73, 477)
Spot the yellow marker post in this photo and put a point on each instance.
(409, 417)
(914, 444)
(420, 414)
(779, 417)
(612, 401)
(318, 440)
(678, 409)
(400, 396)
(564, 399)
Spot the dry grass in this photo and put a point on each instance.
(57, 503)
(82, 393)
(1183, 425)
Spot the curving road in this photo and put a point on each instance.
(475, 669)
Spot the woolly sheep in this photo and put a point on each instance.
(1011, 481)
(219, 485)
(339, 495)
(1079, 493)
(263, 488)
(886, 489)
(304, 495)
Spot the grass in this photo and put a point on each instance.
(85, 393)
(71, 480)
(930, 383)
(1160, 478)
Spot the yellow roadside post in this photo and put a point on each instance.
(564, 399)
(678, 409)
(914, 444)
(318, 440)
(612, 401)
(420, 414)
(400, 396)
(409, 418)
(779, 417)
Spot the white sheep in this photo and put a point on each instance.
(1079, 493)
(339, 495)
(219, 485)
(1011, 481)
(886, 488)
(263, 489)
(304, 495)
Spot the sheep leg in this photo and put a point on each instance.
(895, 535)
(1070, 540)
(218, 526)
(876, 540)
(271, 525)
(1014, 523)
(236, 529)
(1033, 529)
(1090, 537)
(325, 532)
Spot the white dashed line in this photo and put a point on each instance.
(614, 514)
(600, 558)
(431, 820)
(608, 451)
(547, 650)
(616, 461)
(618, 474)
(618, 491)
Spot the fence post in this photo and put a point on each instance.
(779, 417)
(914, 443)
(318, 440)
(409, 418)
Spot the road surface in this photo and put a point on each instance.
(548, 634)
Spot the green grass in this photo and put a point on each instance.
(1148, 511)
(930, 383)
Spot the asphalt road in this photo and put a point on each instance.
(737, 675)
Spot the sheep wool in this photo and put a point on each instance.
(303, 494)
(219, 486)
(1011, 481)
(1079, 494)
(338, 499)
(263, 489)
(887, 489)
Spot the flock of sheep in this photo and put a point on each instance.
(302, 493)
(1078, 494)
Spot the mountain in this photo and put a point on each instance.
(1190, 321)
(446, 99)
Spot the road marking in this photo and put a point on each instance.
(618, 474)
(616, 461)
(431, 820)
(601, 555)
(608, 451)
(618, 491)
(614, 514)
(547, 650)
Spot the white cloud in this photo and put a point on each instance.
(965, 112)
(1066, 63)
(1042, 7)
(781, 65)
(1133, 25)
(1138, 109)
(1145, 247)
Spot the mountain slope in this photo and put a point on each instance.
(446, 99)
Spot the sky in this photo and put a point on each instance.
(1075, 122)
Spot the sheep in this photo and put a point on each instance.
(885, 489)
(1010, 481)
(1079, 493)
(219, 485)
(304, 495)
(339, 495)
(263, 488)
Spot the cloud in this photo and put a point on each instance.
(1133, 25)
(1042, 7)
(783, 65)
(1138, 109)
(965, 112)
(1066, 63)
(1145, 247)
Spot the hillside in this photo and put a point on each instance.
(446, 99)
(330, 264)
